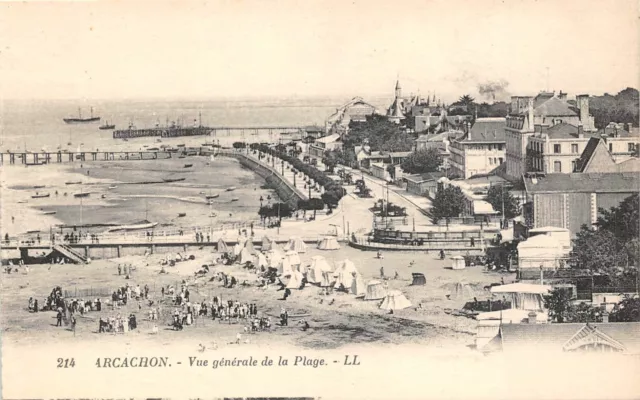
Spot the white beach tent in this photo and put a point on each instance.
(329, 243)
(238, 248)
(375, 291)
(327, 279)
(261, 260)
(295, 281)
(284, 267)
(357, 286)
(460, 291)
(249, 246)
(222, 246)
(296, 244)
(395, 300)
(523, 296)
(345, 274)
(457, 262)
(246, 256)
(318, 265)
(293, 257)
(267, 243)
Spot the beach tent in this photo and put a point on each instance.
(295, 281)
(296, 244)
(237, 249)
(327, 279)
(345, 274)
(523, 296)
(274, 256)
(267, 244)
(249, 246)
(460, 291)
(261, 260)
(375, 291)
(284, 267)
(222, 246)
(418, 279)
(395, 300)
(246, 256)
(328, 243)
(357, 286)
(315, 270)
(293, 257)
(457, 262)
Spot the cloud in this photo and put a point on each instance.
(491, 90)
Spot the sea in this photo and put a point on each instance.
(116, 197)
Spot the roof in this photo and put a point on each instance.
(521, 288)
(487, 130)
(439, 137)
(535, 336)
(562, 131)
(545, 229)
(588, 153)
(396, 109)
(427, 176)
(328, 139)
(554, 107)
(481, 207)
(625, 182)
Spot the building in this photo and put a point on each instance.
(481, 150)
(423, 184)
(319, 146)
(604, 337)
(440, 142)
(379, 170)
(596, 158)
(572, 200)
(355, 110)
(623, 144)
(556, 149)
(545, 110)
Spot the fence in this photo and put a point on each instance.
(366, 241)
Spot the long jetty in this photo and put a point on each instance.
(202, 131)
(43, 158)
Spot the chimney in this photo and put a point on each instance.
(562, 96)
(532, 318)
(580, 131)
(582, 101)
(530, 106)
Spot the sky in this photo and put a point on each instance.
(242, 48)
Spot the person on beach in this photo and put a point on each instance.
(382, 272)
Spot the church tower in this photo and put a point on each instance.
(398, 89)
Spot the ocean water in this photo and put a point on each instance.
(37, 125)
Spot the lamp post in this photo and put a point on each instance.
(282, 166)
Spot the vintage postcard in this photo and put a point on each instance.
(319, 199)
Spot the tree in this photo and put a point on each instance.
(239, 145)
(561, 308)
(598, 251)
(449, 202)
(421, 161)
(628, 310)
(495, 197)
(466, 100)
(622, 221)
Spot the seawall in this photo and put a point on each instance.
(285, 190)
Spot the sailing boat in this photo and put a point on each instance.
(81, 120)
(107, 126)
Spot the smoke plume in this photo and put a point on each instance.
(491, 90)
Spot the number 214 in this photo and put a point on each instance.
(66, 362)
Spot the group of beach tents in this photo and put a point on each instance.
(287, 263)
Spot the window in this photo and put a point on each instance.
(557, 166)
(501, 160)
(574, 165)
(574, 149)
(490, 161)
(499, 147)
(632, 147)
(556, 148)
(610, 147)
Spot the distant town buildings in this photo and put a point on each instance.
(481, 150)
(545, 110)
(327, 143)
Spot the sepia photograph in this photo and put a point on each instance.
(245, 198)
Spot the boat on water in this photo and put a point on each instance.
(104, 196)
(38, 186)
(153, 149)
(231, 189)
(235, 199)
(107, 126)
(81, 120)
(180, 215)
(169, 180)
(40, 196)
(180, 145)
(73, 183)
(48, 213)
(182, 156)
(212, 196)
(188, 165)
(81, 194)
(113, 187)
(22, 201)
(144, 224)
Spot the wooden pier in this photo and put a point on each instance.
(203, 131)
(43, 158)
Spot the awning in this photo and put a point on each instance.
(481, 207)
(521, 288)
